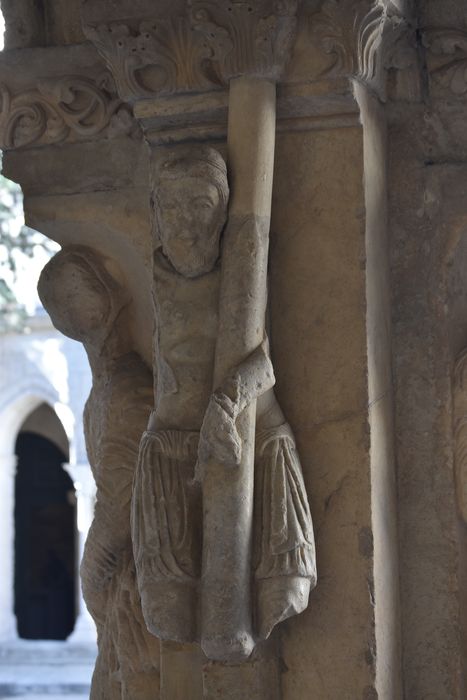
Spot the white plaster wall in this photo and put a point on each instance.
(45, 364)
(37, 367)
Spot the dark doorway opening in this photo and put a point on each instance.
(45, 550)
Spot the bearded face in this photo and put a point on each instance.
(191, 215)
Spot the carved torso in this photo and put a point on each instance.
(187, 319)
(115, 414)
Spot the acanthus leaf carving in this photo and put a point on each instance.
(448, 53)
(253, 37)
(359, 37)
(201, 50)
(159, 57)
(71, 107)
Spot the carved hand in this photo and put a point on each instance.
(219, 438)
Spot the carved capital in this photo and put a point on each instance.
(57, 109)
(447, 61)
(359, 37)
(252, 38)
(199, 49)
(156, 57)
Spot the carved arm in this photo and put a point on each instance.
(219, 439)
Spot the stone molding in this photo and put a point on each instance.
(71, 107)
(447, 61)
(192, 54)
(300, 107)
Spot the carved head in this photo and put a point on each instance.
(191, 196)
(81, 295)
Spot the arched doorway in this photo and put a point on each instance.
(45, 530)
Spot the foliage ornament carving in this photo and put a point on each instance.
(160, 57)
(201, 50)
(250, 38)
(360, 38)
(447, 59)
(72, 107)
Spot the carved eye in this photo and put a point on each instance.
(202, 203)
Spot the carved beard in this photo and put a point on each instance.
(196, 263)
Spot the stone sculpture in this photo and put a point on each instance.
(192, 425)
(88, 304)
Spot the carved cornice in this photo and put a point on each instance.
(447, 61)
(200, 50)
(360, 37)
(58, 109)
(300, 107)
(194, 50)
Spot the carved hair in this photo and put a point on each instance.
(194, 161)
(95, 269)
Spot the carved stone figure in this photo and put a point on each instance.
(87, 303)
(191, 424)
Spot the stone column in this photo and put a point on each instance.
(323, 378)
(86, 176)
(428, 246)
(85, 489)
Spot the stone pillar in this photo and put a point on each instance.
(8, 631)
(428, 245)
(328, 265)
(368, 213)
(85, 489)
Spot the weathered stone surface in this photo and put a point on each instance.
(183, 574)
(318, 256)
(427, 224)
(366, 320)
(85, 297)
